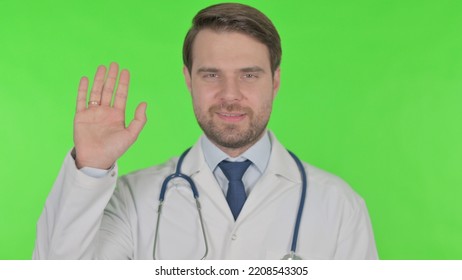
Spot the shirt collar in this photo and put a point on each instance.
(258, 154)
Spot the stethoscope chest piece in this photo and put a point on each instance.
(291, 256)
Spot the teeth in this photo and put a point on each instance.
(231, 115)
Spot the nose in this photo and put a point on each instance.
(230, 90)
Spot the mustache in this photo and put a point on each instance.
(230, 107)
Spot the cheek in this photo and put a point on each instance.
(263, 101)
(201, 104)
(202, 94)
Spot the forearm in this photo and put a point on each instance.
(72, 214)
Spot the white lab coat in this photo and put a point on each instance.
(86, 218)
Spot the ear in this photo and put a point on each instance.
(187, 77)
(276, 80)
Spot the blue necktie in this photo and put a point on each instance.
(236, 192)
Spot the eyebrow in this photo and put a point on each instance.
(208, 70)
(253, 69)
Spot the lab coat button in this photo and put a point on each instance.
(113, 173)
(233, 237)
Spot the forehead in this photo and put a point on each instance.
(228, 50)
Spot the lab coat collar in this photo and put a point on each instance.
(280, 162)
(258, 154)
(196, 167)
(280, 165)
(194, 161)
(281, 175)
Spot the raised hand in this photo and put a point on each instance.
(100, 134)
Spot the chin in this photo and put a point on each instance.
(234, 138)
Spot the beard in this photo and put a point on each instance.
(233, 136)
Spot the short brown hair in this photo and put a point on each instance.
(238, 18)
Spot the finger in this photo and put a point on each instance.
(82, 94)
(108, 89)
(137, 124)
(98, 83)
(120, 99)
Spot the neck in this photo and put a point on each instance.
(235, 152)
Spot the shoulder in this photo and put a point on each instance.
(139, 188)
(327, 181)
(149, 180)
(318, 179)
(332, 191)
(156, 172)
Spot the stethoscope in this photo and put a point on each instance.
(290, 256)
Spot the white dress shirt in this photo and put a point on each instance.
(258, 154)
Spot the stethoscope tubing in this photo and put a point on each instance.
(301, 204)
(179, 174)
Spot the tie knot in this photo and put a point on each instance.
(234, 170)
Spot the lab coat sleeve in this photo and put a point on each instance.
(356, 239)
(70, 224)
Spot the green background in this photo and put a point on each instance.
(371, 91)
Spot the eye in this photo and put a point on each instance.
(250, 76)
(210, 75)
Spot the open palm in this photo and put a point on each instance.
(100, 134)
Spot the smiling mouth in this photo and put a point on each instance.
(231, 117)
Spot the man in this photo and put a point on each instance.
(231, 56)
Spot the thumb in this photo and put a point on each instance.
(137, 124)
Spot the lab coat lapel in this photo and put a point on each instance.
(210, 192)
(282, 173)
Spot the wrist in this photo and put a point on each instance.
(91, 164)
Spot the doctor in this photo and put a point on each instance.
(249, 187)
